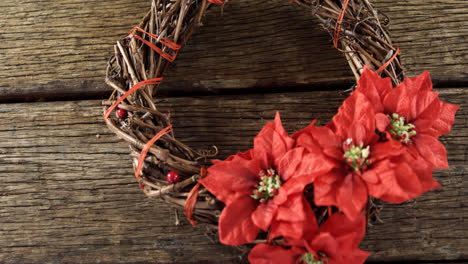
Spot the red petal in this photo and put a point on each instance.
(358, 133)
(288, 164)
(235, 223)
(293, 186)
(299, 162)
(428, 182)
(385, 181)
(246, 155)
(425, 105)
(272, 143)
(444, 121)
(319, 137)
(432, 150)
(339, 225)
(370, 176)
(390, 188)
(293, 230)
(398, 182)
(319, 140)
(374, 88)
(352, 195)
(355, 110)
(398, 101)
(293, 210)
(383, 150)
(326, 243)
(421, 82)
(306, 228)
(381, 122)
(347, 235)
(229, 179)
(325, 187)
(268, 254)
(309, 129)
(263, 215)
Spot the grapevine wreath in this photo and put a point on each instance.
(305, 197)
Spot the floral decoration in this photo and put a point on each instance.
(383, 142)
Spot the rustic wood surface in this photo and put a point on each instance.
(60, 48)
(68, 194)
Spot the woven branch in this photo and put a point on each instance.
(364, 36)
(364, 40)
(134, 61)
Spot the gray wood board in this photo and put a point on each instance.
(56, 49)
(67, 193)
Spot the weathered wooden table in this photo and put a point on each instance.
(66, 188)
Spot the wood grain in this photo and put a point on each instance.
(67, 193)
(57, 49)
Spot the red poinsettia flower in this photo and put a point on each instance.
(395, 168)
(412, 117)
(355, 152)
(410, 114)
(336, 242)
(262, 188)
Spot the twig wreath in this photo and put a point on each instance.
(301, 198)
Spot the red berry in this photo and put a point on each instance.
(359, 160)
(349, 160)
(391, 127)
(345, 146)
(364, 167)
(274, 192)
(122, 113)
(172, 177)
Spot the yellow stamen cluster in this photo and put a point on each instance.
(309, 258)
(356, 156)
(399, 130)
(268, 185)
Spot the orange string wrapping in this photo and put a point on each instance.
(216, 2)
(338, 24)
(383, 67)
(192, 198)
(145, 150)
(133, 89)
(174, 46)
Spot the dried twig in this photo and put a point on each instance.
(363, 39)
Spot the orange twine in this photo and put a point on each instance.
(145, 150)
(338, 23)
(383, 67)
(336, 36)
(192, 198)
(133, 89)
(164, 41)
(216, 2)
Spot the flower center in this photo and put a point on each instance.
(356, 156)
(399, 130)
(268, 185)
(309, 258)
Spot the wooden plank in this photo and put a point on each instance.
(67, 193)
(55, 49)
